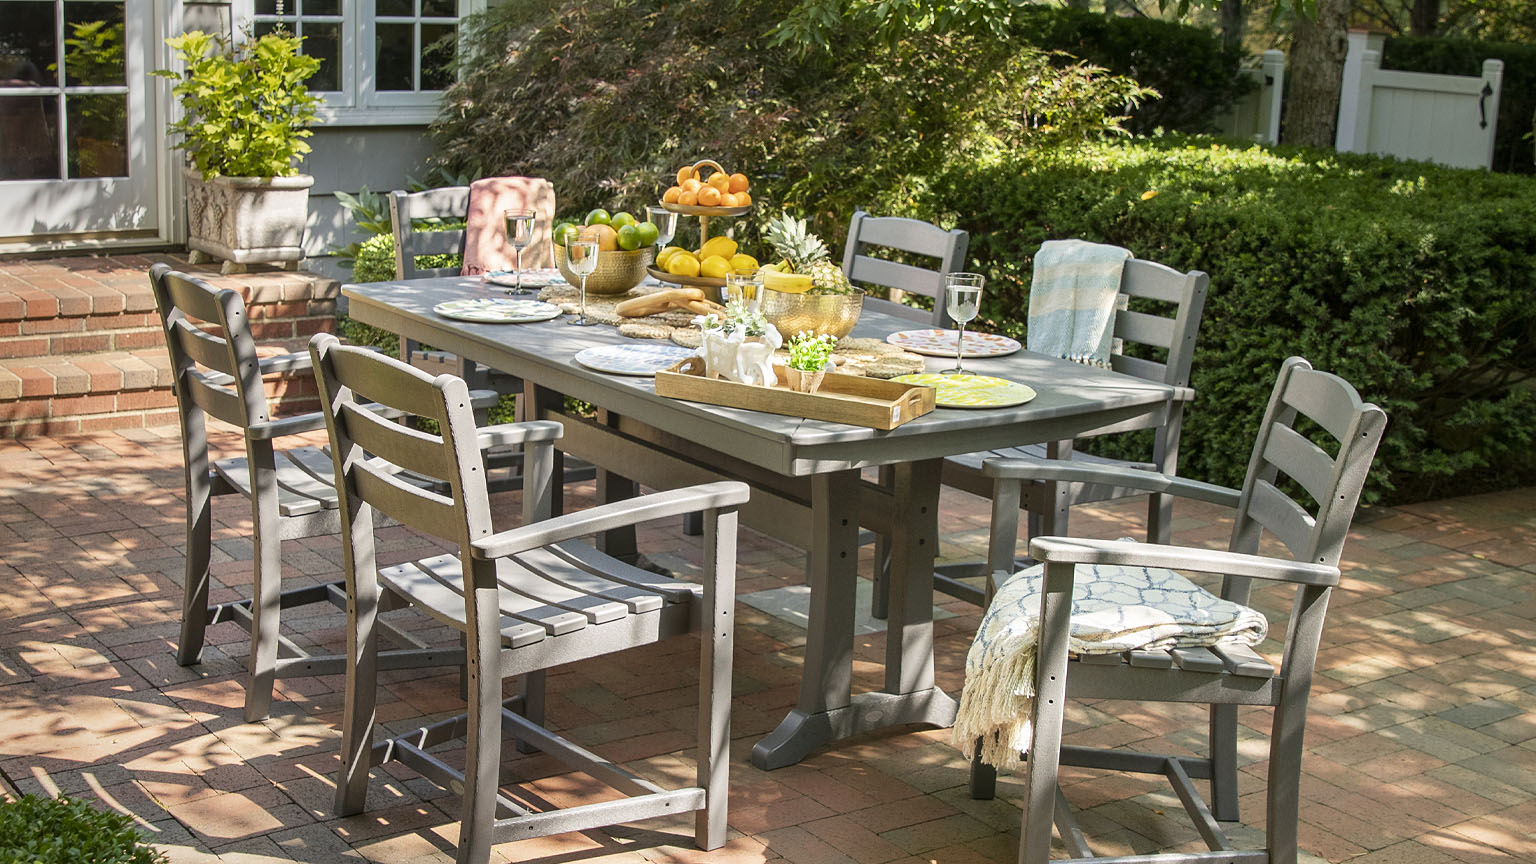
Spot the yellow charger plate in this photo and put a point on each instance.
(971, 391)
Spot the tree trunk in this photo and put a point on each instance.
(1424, 18)
(1233, 16)
(1316, 73)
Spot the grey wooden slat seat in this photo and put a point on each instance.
(867, 233)
(1316, 435)
(218, 374)
(523, 599)
(1160, 310)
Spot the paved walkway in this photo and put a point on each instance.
(1422, 739)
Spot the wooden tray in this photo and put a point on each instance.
(691, 281)
(850, 399)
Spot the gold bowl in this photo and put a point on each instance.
(832, 314)
(617, 271)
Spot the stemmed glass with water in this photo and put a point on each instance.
(962, 296)
(665, 221)
(519, 234)
(581, 257)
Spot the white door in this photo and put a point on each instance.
(76, 126)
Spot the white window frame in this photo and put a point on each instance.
(358, 103)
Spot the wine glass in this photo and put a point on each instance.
(519, 234)
(665, 221)
(746, 286)
(962, 294)
(581, 257)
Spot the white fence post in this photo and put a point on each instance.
(1488, 102)
(1353, 129)
(1272, 85)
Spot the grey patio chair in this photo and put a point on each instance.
(1328, 473)
(216, 373)
(903, 235)
(523, 600)
(1155, 328)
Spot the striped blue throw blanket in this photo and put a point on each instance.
(1114, 609)
(1072, 300)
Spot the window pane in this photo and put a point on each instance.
(406, 8)
(437, 55)
(395, 55)
(322, 7)
(98, 135)
(28, 146)
(27, 45)
(93, 43)
(324, 42)
(274, 7)
(439, 8)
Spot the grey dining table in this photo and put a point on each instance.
(808, 487)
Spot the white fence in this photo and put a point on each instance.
(1450, 119)
(1256, 116)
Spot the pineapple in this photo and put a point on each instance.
(805, 254)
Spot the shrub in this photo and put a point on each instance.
(1517, 101)
(1412, 281)
(607, 99)
(41, 830)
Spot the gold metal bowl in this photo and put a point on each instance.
(617, 271)
(832, 314)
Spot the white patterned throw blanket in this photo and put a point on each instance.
(1072, 300)
(1114, 609)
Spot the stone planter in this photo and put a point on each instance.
(247, 219)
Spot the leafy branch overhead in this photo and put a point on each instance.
(246, 109)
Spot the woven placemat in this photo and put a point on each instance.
(874, 358)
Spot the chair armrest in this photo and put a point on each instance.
(1046, 470)
(619, 514)
(520, 433)
(1070, 550)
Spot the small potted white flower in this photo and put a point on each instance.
(810, 356)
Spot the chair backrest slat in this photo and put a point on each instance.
(219, 401)
(1175, 334)
(227, 352)
(448, 202)
(204, 349)
(904, 235)
(1146, 370)
(1153, 281)
(1144, 329)
(1305, 402)
(369, 451)
(1301, 460)
(408, 448)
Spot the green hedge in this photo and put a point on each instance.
(1512, 148)
(1414, 282)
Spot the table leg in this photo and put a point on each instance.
(611, 487)
(828, 711)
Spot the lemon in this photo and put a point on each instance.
(725, 247)
(682, 263)
(714, 267)
(743, 261)
(666, 255)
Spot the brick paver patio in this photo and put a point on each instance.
(1422, 739)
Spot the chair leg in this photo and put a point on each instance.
(482, 737)
(1223, 744)
(194, 598)
(533, 705)
(983, 779)
(716, 646)
(1049, 708)
(358, 711)
(1283, 799)
(266, 589)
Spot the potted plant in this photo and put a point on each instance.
(246, 115)
(810, 356)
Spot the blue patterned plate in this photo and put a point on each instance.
(645, 360)
(489, 310)
(531, 278)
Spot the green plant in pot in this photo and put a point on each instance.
(246, 115)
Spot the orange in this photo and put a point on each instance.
(670, 197)
(688, 198)
(709, 196)
(740, 183)
(729, 200)
(692, 184)
(743, 199)
(607, 238)
(720, 180)
(684, 173)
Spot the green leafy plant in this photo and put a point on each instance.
(809, 352)
(40, 830)
(246, 110)
(370, 212)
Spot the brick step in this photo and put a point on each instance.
(82, 305)
(115, 390)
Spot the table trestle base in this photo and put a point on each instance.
(801, 733)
